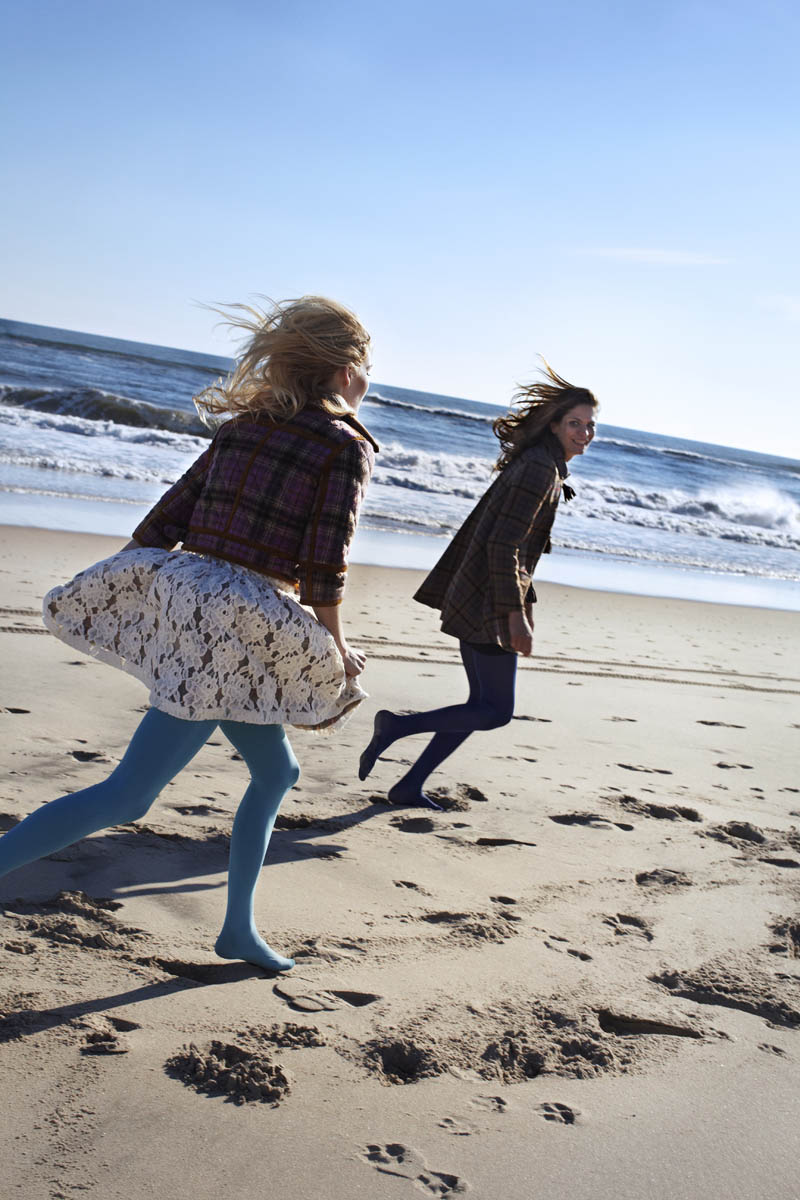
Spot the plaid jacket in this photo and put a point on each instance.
(485, 572)
(282, 499)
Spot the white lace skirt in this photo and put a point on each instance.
(211, 640)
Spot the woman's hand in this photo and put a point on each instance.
(331, 617)
(520, 633)
(354, 661)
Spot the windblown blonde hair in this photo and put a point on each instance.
(537, 405)
(288, 360)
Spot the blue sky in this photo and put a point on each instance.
(613, 185)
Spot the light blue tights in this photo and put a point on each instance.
(160, 748)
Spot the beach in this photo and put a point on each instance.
(581, 979)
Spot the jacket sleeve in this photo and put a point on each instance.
(334, 516)
(524, 505)
(168, 520)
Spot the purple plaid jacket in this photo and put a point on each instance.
(282, 499)
(485, 572)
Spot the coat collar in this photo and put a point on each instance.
(556, 451)
(351, 419)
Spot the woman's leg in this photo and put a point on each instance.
(409, 789)
(273, 771)
(490, 704)
(160, 748)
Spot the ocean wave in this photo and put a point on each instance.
(758, 516)
(429, 409)
(682, 558)
(136, 352)
(700, 457)
(92, 404)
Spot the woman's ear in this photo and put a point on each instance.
(341, 379)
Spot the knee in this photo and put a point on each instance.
(130, 800)
(134, 811)
(291, 773)
(490, 717)
(283, 773)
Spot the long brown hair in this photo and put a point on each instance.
(292, 351)
(536, 406)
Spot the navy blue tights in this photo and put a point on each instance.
(159, 749)
(492, 679)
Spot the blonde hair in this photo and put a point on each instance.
(288, 360)
(538, 404)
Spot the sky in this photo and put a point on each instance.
(612, 184)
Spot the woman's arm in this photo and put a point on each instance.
(323, 556)
(523, 504)
(331, 617)
(168, 520)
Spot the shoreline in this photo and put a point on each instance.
(412, 551)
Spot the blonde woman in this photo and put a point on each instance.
(482, 583)
(265, 517)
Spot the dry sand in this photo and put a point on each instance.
(580, 980)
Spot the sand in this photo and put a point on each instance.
(582, 979)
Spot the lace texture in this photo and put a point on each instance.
(211, 640)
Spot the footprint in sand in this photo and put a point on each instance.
(626, 1024)
(106, 1035)
(241, 1072)
(501, 841)
(726, 766)
(75, 919)
(645, 770)
(16, 712)
(560, 1114)
(663, 877)
(788, 933)
(494, 1104)
(467, 929)
(624, 924)
(413, 824)
(662, 812)
(331, 952)
(414, 887)
(300, 995)
(582, 818)
(393, 1158)
(737, 831)
(737, 984)
(722, 724)
(564, 948)
(458, 1126)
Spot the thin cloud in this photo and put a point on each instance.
(654, 258)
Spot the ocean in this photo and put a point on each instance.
(93, 429)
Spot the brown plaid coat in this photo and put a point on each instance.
(485, 572)
(282, 499)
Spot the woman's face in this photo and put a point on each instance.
(354, 382)
(575, 430)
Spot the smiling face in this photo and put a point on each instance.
(575, 430)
